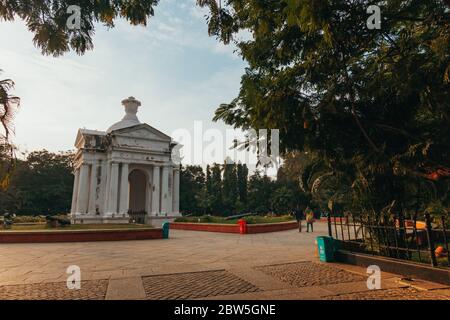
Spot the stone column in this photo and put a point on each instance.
(113, 188)
(149, 191)
(124, 190)
(170, 191)
(83, 189)
(73, 208)
(93, 188)
(165, 205)
(176, 191)
(106, 174)
(155, 190)
(100, 201)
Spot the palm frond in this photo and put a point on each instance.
(9, 105)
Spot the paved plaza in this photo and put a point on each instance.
(195, 265)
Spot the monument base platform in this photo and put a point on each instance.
(155, 221)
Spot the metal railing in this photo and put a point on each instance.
(393, 236)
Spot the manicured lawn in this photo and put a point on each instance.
(249, 219)
(44, 227)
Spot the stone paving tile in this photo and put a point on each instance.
(22, 265)
(360, 286)
(90, 290)
(393, 294)
(309, 274)
(195, 285)
(185, 251)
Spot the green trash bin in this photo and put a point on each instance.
(326, 248)
(165, 227)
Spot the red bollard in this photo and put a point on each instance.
(242, 226)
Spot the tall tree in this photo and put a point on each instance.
(7, 165)
(283, 200)
(208, 179)
(216, 189)
(42, 184)
(229, 187)
(242, 181)
(260, 190)
(192, 182)
(374, 104)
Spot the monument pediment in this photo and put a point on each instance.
(142, 131)
(142, 137)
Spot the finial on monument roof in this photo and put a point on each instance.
(131, 105)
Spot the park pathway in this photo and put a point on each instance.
(195, 265)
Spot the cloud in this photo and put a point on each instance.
(178, 72)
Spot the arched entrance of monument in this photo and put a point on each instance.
(138, 195)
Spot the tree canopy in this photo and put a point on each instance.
(41, 184)
(329, 83)
(374, 104)
(47, 20)
(228, 189)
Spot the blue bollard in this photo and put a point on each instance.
(165, 227)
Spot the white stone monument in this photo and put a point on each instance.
(125, 174)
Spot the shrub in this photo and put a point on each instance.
(57, 220)
(6, 223)
(29, 219)
(267, 219)
(64, 222)
(7, 220)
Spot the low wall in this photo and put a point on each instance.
(79, 235)
(234, 228)
(271, 227)
(405, 268)
(210, 227)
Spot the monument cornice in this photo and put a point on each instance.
(114, 135)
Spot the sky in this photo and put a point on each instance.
(179, 73)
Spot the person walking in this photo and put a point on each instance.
(298, 216)
(309, 219)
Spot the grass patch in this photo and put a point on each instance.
(250, 219)
(96, 226)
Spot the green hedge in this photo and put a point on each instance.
(29, 219)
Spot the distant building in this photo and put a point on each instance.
(125, 173)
